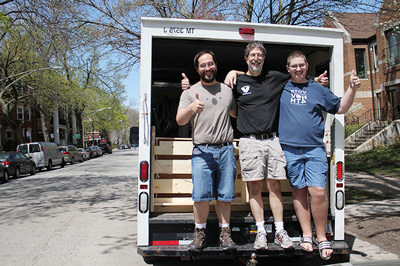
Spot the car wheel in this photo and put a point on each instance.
(82, 159)
(63, 163)
(17, 173)
(5, 177)
(33, 169)
(72, 160)
(50, 166)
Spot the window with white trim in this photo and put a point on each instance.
(361, 65)
(20, 112)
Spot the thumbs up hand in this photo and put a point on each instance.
(323, 79)
(185, 84)
(197, 106)
(354, 80)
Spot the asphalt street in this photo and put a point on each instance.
(85, 214)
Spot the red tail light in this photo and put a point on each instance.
(41, 148)
(6, 163)
(65, 152)
(339, 171)
(246, 31)
(144, 171)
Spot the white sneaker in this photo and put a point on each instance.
(261, 241)
(282, 239)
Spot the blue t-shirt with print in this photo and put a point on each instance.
(301, 123)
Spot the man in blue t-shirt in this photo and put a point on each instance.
(301, 131)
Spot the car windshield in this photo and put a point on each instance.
(63, 149)
(23, 148)
(4, 155)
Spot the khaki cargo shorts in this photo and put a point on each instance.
(261, 159)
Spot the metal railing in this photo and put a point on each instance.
(380, 114)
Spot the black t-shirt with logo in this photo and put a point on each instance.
(257, 101)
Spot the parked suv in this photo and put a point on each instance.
(44, 154)
(106, 148)
(71, 154)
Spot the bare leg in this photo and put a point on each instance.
(319, 209)
(275, 199)
(256, 202)
(223, 211)
(200, 211)
(302, 208)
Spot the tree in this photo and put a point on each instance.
(298, 12)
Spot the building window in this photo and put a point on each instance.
(375, 55)
(360, 63)
(393, 46)
(20, 112)
(29, 114)
(9, 135)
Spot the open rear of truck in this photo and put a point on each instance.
(165, 213)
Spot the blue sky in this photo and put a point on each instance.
(132, 87)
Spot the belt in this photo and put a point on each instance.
(215, 145)
(261, 136)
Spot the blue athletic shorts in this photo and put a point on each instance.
(213, 173)
(306, 166)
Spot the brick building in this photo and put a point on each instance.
(372, 48)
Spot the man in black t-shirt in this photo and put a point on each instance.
(261, 157)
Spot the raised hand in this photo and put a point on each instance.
(355, 82)
(323, 79)
(185, 84)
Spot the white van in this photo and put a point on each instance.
(44, 154)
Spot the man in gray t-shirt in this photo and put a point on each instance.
(208, 105)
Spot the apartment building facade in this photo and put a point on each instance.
(372, 48)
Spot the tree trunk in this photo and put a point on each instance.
(45, 130)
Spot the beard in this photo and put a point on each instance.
(255, 68)
(209, 79)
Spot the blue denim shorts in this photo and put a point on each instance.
(213, 173)
(306, 166)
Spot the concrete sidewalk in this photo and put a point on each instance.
(381, 185)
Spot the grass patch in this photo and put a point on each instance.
(382, 160)
(355, 195)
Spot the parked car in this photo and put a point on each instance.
(84, 153)
(123, 147)
(44, 154)
(93, 151)
(3, 174)
(71, 154)
(17, 163)
(106, 148)
(99, 150)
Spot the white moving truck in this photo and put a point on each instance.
(165, 219)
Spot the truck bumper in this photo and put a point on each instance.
(215, 252)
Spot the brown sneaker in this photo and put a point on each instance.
(225, 239)
(199, 240)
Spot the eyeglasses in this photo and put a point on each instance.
(209, 64)
(296, 66)
(256, 54)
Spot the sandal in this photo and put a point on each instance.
(322, 246)
(306, 240)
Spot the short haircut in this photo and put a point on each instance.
(296, 53)
(203, 52)
(253, 45)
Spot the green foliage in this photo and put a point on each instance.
(350, 129)
(381, 160)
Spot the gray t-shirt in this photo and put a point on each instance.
(213, 125)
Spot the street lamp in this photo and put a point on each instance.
(83, 124)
